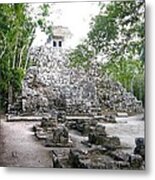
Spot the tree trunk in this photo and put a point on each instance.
(10, 95)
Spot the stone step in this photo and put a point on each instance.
(11, 118)
(122, 114)
(78, 117)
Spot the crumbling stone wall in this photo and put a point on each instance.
(113, 97)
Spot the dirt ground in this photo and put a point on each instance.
(20, 148)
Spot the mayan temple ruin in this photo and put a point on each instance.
(72, 90)
(52, 84)
(74, 107)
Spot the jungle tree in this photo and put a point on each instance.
(17, 32)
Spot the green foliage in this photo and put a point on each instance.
(81, 56)
(139, 87)
(118, 30)
(16, 78)
(17, 32)
(40, 17)
(130, 73)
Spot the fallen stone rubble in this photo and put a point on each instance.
(98, 136)
(83, 124)
(96, 159)
(100, 151)
(53, 134)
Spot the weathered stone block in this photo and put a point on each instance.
(119, 156)
(58, 137)
(140, 147)
(136, 161)
(98, 136)
(60, 158)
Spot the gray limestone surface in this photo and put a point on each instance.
(52, 84)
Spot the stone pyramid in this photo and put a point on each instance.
(52, 84)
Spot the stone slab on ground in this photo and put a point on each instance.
(122, 114)
(78, 117)
(23, 118)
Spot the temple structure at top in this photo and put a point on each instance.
(58, 37)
